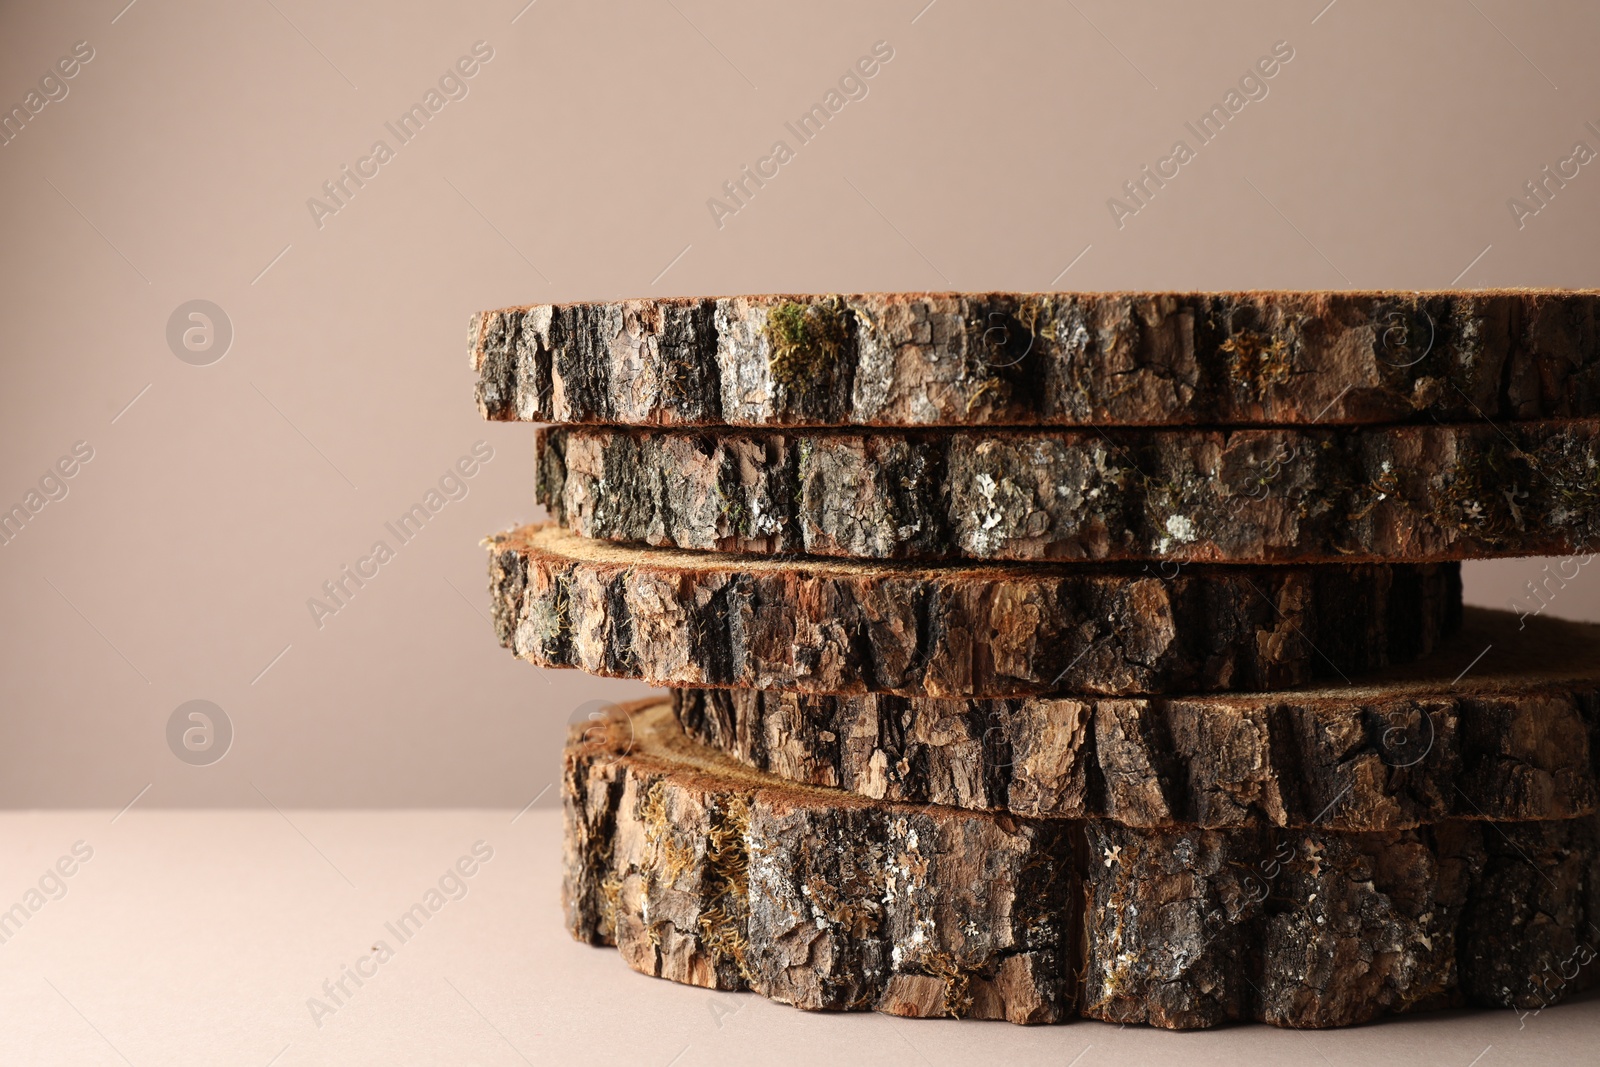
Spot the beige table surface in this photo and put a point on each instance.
(199, 937)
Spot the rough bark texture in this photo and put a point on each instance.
(930, 359)
(1511, 741)
(703, 619)
(704, 872)
(1382, 494)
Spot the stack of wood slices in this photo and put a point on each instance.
(1045, 656)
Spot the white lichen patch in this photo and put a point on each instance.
(763, 521)
(987, 486)
(1180, 530)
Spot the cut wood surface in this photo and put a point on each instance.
(705, 872)
(679, 618)
(1497, 724)
(1392, 493)
(1069, 359)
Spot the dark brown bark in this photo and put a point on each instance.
(931, 359)
(1510, 741)
(705, 619)
(1381, 494)
(704, 872)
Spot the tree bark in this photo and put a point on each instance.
(1509, 741)
(1377, 494)
(984, 359)
(705, 872)
(704, 619)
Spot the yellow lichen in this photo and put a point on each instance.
(610, 896)
(993, 393)
(669, 857)
(727, 877)
(957, 983)
(1257, 361)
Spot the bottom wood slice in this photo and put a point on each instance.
(705, 872)
(1496, 724)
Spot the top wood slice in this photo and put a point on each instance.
(1064, 359)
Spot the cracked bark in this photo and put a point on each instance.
(1376, 494)
(1407, 747)
(931, 359)
(703, 619)
(703, 871)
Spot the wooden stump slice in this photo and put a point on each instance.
(1497, 724)
(679, 618)
(1037, 359)
(1373, 494)
(705, 872)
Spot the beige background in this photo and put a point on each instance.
(578, 166)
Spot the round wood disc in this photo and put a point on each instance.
(1039, 359)
(680, 618)
(1495, 725)
(1356, 494)
(705, 872)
